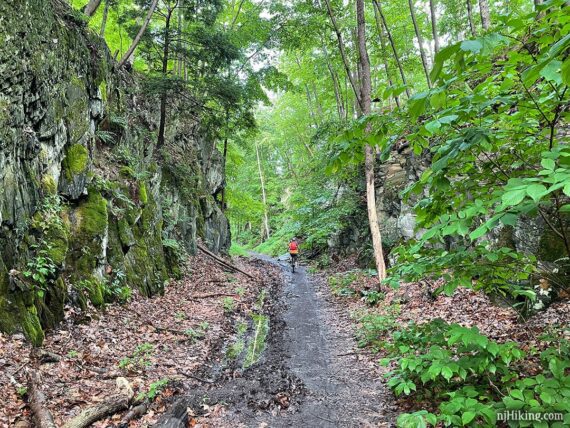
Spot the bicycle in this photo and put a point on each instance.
(293, 261)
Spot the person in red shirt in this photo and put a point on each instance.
(294, 252)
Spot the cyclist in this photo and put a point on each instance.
(293, 251)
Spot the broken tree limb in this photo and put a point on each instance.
(176, 417)
(110, 406)
(206, 296)
(42, 415)
(222, 261)
(135, 413)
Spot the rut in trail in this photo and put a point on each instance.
(307, 376)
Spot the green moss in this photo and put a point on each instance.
(48, 185)
(93, 215)
(103, 90)
(125, 233)
(127, 171)
(56, 242)
(76, 161)
(143, 196)
(96, 292)
(31, 326)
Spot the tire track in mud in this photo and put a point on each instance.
(305, 378)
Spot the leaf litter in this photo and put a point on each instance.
(147, 340)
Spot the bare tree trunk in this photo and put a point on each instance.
(380, 31)
(470, 17)
(163, 97)
(263, 195)
(342, 51)
(366, 90)
(317, 102)
(336, 86)
(104, 19)
(137, 38)
(392, 45)
(420, 41)
(179, 42)
(485, 14)
(434, 25)
(91, 7)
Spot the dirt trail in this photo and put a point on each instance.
(310, 375)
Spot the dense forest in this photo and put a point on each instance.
(158, 156)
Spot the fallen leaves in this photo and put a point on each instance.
(81, 359)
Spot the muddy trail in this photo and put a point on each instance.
(306, 372)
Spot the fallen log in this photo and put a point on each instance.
(176, 417)
(42, 416)
(109, 407)
(135, 413)
(222, 261)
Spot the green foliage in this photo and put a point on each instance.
(140, 359)
(41, 269)
(237, 250)
(340, 283)
(228, 303)
(471, 377)
(154, 390)
(492, 127)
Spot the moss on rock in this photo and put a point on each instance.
(76, 161)
(93, 215)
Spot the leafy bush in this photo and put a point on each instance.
(472, 377)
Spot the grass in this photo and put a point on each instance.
(237, 250)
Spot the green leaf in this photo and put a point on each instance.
(467, 417)
(448, 119)
(513, 197)
(565, 72)
(471, 46)
(548, 164)
(566, 189)
(433, 126)
(536, 191)
(477, 233)
(565, 208)
(551, 71)
(447, 373)
(509, 219)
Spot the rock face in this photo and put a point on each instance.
(86, 211)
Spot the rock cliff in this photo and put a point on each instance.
(89, 208)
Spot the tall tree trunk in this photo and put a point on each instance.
(470, 17)
(392, 45)
(264, 198)
(366, 90)
(380, 31)
(179, 40)
(336, 85)
(434, 26)
(317, 102)
(163, 97)
(104, 19)
(420, 41)
(485, 14)
(308, 95)
(224, 161)
(91, 7)
(342, 51)
(137, 38)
